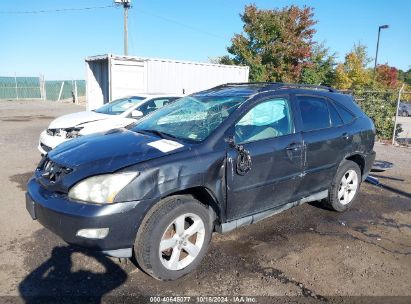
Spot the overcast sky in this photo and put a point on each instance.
(56, 43)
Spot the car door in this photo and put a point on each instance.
(267, 134)
(326, 140)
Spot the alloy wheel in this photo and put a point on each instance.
(348, 187)
(182, 241)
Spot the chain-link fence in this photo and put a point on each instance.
(21, 88)
(61, 90)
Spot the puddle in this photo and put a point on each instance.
(21, 179)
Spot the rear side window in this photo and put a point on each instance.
(314, 113)
(346, 115)
(336, 120)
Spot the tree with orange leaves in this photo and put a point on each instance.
(276, 44)
(387, 76)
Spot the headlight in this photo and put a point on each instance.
(101, 189)
(73, 132)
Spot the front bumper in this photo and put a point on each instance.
(65, 218)
(48, 142)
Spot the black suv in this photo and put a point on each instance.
(212, 161)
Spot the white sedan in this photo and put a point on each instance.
(116, 114)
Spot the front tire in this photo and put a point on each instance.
(174, 237)
(345, 186)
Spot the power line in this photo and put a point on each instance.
(196, 29)
(199, 30)
(56, 10)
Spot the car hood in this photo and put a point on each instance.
(104, 125)
(75, 119)
(112, 150)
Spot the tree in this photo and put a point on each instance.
(405, 76)
(406, 95)
(353, 73)
(380, 106)
(341, 79)
(386, 76)
(276, 44)
(319, 69)
(221, 60)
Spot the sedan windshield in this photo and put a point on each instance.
(118, 106)
(191, 118)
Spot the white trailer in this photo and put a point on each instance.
(109, 77)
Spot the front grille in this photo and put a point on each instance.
(52, 171)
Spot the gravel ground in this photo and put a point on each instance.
(307, 251)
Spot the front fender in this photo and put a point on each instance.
(160, 178)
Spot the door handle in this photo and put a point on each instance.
(345, 135)
(294, 147)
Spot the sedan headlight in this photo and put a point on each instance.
(101, 189)
(73, 132)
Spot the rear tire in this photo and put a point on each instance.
(345, 186)
(174, 237)
(404, 113)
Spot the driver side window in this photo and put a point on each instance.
(269, 119)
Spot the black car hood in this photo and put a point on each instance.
(107, 152)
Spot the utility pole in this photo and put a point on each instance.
(378, 44)
(126, 4)
(126, 7)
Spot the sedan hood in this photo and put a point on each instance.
(111, 151)
(75, 119)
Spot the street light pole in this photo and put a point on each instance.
(378, 44)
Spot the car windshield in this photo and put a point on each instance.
(191, 118)
(118, 106)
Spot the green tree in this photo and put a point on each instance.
(380, 106)
(276, 44)
(319, 69)
(405, 76)
(221, 60)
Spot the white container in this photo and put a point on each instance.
(109, 77)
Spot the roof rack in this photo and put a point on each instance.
(309, 86)
(281, 85)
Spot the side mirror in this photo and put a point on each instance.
(137, 114)
(243, 163)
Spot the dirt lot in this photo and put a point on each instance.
(306, 251)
